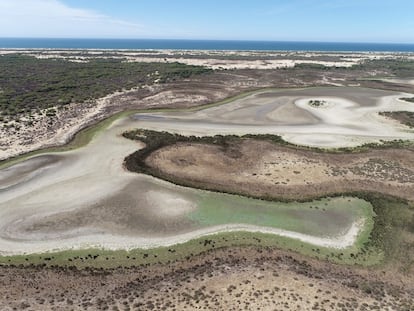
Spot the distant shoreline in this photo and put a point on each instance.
(209, 45)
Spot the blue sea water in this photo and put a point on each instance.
(31, 43)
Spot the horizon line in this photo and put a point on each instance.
(220, 40)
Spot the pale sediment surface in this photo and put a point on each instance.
(409, 81)
(84, 239)
(348, 117)
(85, 198)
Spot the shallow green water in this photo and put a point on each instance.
(325, 217)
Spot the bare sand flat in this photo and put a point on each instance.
(409, 81)
(349, 117)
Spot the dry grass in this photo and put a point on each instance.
(231, 279)
(262, 168)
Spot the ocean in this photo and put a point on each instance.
(132, 44)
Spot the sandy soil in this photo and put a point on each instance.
(46, 132)
(217, 59)
(246, 64)
(262, 168)
(230, 279)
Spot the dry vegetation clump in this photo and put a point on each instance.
(405, 117)
(265, 166)
(230, 278)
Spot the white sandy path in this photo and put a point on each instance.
(114, 242)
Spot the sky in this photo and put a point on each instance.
(389, 21)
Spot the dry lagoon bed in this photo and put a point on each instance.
(345, 117)
(84, 197)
